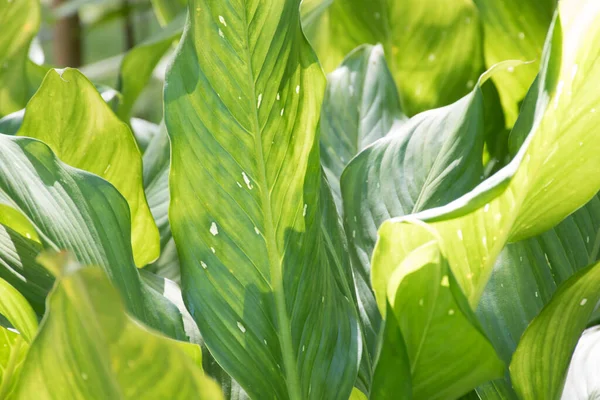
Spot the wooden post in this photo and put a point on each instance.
(67, 40)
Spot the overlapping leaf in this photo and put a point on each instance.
(71, 209)
(360, 106)
(264, 272)
(552, 174)
(434, 47)
(539, 366)
(514, 30)
(427, 303)
(69, 115)
(88, 347)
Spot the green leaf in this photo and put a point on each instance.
(536, 190)
(335, 28)
(360, 106)
(19, 268)
(139, 63)
(14, 345)
(393, 356)
(539, 365)
(426, 162)
(434, 46)
(527, 273)
(514, 30)
(168, 10)
(69, 115)
(13, 350)
(17, 310)
(264, 269)
(10, 124)
(427, 304)
(78, 211)
(20, 22)
(88, 347)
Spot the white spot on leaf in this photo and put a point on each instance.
(222, 20)
(241, 327)
(214, 229)
(203, 264)
(445, 282)
(259, 101)
(583, 301)
(247, 180)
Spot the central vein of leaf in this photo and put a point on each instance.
(275, 263)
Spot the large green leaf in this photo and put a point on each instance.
(69, 115)
(539, 365)
(264, 269)
(78, 211)
(139, 63)
(19, 268)
(434, 46)
(515, 30)
(20, 21)
(88, 347)
(14, 345)
(527, 273)
(426, 162)
(360, 106)
(427, 303)
(537, 189)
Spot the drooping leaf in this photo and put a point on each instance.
(536, 190)
(428, 304)
(20, 21)
(428, 161)
(360, 106)
(434, 47)
(78, 211)
(88, 347)
(139, 63)
(69, 115)
(539, 365)
(527, 273)
(514, 30)
(264, 272)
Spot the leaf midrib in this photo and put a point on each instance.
(274, 257)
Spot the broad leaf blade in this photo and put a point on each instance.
(539, 366)
(69, 115)
(428, 304)
(360, 106)
(262, 275)
(75, 210)
(88, 347)
(535, 191)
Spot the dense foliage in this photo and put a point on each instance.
(384, 199)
